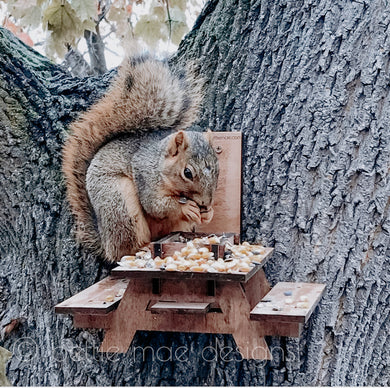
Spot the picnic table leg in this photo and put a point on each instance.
(130, 316)
(236, 307)
(251, 344)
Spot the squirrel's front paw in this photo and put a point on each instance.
(206, 214)
(191, 212)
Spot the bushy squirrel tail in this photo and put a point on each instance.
(145, 95)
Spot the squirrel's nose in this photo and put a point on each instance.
(206, 201)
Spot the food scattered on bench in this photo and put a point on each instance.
(289, 302)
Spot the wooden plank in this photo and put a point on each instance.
(288, 302)
(256, 288)
(142, 273)
(180, 307)
(84, 321)
(100, 298)
(282, 329)
(227, 200)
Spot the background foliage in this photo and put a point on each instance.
(82, 33)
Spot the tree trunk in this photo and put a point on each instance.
(307, 84)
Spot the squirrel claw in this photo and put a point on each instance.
(191, 212)
(206, 214)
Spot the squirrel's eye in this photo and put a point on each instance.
(188, 173)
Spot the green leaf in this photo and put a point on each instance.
(116, 14)
(119, 16)
(89, 25)
(178, 31)
(25, 12)
(65, 27)
(55, 45)
(181, 4)
(159, 12)
(32, 17)
(178, 25)
(150, 30)
(177, 15)
(85, 9)
(62, 20)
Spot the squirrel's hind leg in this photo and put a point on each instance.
(121, 223)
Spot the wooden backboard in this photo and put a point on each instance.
(227, 204)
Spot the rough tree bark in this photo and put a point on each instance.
(308, 85)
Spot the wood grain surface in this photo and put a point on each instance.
(227, 203)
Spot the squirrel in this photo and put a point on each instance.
(132, 173)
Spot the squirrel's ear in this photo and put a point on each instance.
(178, 143)
(209, 136)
